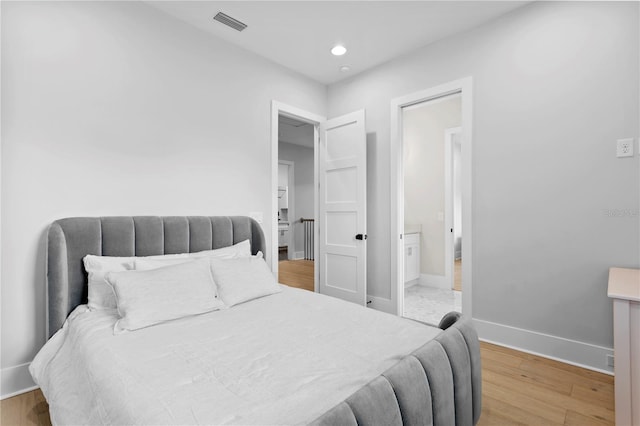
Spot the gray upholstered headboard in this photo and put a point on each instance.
(70, 239)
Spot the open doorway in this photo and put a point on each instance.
(339, 202)
(428, 141)
(296, 202)
(431, 200)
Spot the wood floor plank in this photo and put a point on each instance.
(297, 273)
(41, 409)
(10, 413)
(497, 412)
(593, 395)
(529, 377)
(535, 361)
(457, 275)
(568, 373)
(489, 354)
(583, 372)
(523, 404)
(28, 409)
(552, 399)
(576, 419)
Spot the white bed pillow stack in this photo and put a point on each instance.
(101, 294)
(242, 279)
(155, 289)
(145, 298)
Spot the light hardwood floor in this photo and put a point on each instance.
(517, 388)
(25, 410)
(296, 273)
(457, 275)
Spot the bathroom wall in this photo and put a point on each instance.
(423, 131)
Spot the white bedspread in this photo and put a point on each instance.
(282, 359)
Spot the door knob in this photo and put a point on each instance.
(361, 236)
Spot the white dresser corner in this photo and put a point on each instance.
(624, 289)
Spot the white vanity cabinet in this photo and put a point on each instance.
(411, 257)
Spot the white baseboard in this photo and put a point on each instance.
(435, 281)
(411, 283)
(298, 255)
(569, 351)
(16, 380)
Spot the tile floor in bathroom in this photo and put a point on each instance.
(428, 304)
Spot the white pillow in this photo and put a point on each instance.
(146, 298)
(243, 279)
(241, 249)
(101, 294)
(144, 264)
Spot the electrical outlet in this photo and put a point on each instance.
(610, 360)
(624, 148)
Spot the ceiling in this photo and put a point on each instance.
(300, 34)
(294, 131)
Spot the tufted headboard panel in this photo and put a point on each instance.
(70, 239)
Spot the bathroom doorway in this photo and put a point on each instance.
(430, 130)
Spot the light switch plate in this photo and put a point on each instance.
(624, 148)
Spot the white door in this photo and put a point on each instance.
(452, 201)
(342, 173)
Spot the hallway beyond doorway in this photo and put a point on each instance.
(296, 273)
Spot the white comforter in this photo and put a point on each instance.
(282, 359)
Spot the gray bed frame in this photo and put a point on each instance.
(437, 384)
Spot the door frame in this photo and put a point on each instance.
(463, 86)
(291, 194)
(277, 109)
(449, 180)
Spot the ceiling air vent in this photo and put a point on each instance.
(230, 22)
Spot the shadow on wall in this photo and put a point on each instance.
(372, 186)
(40, 287)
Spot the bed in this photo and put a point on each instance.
(286, 358)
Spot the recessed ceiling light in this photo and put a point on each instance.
(338, 50)
(344, 68)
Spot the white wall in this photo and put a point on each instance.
(283, 175)
(554, 85)
(302, 156)
(423, 132)
(116, 109)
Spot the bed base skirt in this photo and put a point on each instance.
(438, 384)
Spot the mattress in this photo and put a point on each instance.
(282, 359)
